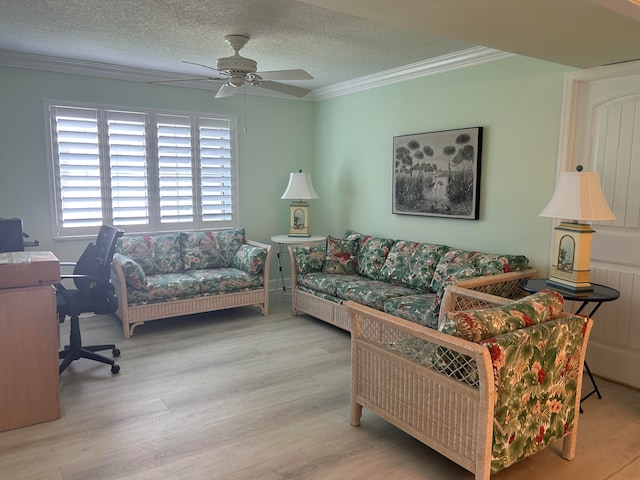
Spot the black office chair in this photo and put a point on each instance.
(94, 293)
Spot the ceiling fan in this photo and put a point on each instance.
(238, 71)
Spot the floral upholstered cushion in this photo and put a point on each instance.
(341, 256)
(452, 262)
(134, 276)
(155, 254)
(326, 283)
(224, 280)
(411, 264)
(163, 288)
(414, 308)
(372, 254)
(310, 259)
(372, 293)
(535, 373)
(493, 264)
(210, 249)
(249, 258)
(476, 325)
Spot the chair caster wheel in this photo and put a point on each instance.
(115, 368)
(116, 352)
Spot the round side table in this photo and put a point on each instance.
(283, 240)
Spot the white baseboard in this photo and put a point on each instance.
(614, 363)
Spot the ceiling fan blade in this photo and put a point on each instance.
(285, 75)
(226, 90)
(185, 79)
(284, 88)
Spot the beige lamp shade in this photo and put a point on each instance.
(299, 190)
(300, 187)
(578, 196)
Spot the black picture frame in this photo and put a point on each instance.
(437, 174)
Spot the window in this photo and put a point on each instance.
(142, 171)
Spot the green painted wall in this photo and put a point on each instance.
(278, 140)
(346, 142)
(518, 102)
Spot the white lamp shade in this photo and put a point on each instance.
(578, 196)
(300, 187)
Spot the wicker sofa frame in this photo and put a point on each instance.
(502, 285)
(450, 416)
(135, 315)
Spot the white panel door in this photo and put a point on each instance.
(601, 131)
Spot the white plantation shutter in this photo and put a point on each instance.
(127, 146)
(215, 169)
(142, 171)
(77, 154)
(175, 169)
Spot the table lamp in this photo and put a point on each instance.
(578, 198)
(299, 189)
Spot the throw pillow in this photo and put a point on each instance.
(477, 325)
(134, 276)
(250, 259)
(341, 256)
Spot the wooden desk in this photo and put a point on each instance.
(29, 384)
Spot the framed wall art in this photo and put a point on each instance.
(437, 174)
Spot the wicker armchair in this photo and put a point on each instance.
(462, 398)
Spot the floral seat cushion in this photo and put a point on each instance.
(372, 293)
(326, 282)
(164, 287)
(415, 308)
(222, 280)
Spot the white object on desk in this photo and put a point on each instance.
(283, 240)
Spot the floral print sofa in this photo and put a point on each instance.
(497, 382)
(181, 273)
(400, 277)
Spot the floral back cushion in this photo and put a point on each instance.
(310, 258)
(535, 371)
(477, 325)
(210, 249)
(341, 256)
(494, 264)
(155, 254)
(372, 254)
(411, 264)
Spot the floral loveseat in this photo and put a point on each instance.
(160, 276)
(400, 277)
(493, 386)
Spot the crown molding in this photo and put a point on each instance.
(445, 63)
(432, 66)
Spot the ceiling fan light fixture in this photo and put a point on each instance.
(236, 81)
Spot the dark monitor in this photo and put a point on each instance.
(11, 238)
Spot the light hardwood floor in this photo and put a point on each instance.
(235, 395)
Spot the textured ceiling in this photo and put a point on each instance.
(334, 40)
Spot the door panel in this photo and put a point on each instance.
(601, 131)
